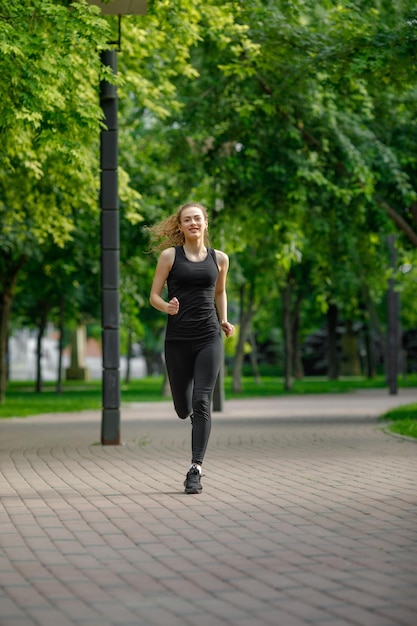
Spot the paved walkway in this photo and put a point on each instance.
(308, 517)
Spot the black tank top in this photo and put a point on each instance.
(193, 283)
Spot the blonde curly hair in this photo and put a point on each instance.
(166, 233)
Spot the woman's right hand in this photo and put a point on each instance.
(173, 306)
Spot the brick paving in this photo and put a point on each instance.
(307, 517)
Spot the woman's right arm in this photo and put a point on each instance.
(162, 270)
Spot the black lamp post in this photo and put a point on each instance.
(110, 245)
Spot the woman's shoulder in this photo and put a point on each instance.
(167, 258)
(222, 258)
(168, 254)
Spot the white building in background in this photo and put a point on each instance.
(22, 358)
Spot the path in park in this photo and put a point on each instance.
(308, 517)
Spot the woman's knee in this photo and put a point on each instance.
(201, 407)
(182, 411)
(183, 415)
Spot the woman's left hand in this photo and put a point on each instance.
(228, 329)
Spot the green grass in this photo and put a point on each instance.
(403, 420)
(24, 403)
(22, 400)
(274, 386)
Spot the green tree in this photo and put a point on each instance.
(49, 125)
(293, 135)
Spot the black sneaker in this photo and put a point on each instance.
(192, 482)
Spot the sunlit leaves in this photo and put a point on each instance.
(50, 114)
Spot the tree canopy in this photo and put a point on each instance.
(293, 120)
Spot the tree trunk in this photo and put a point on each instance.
(333, 360)
(5, 309)
(376, 330)
(61, 324)
(287, 327)
(128, 355)
(297, 364)
(245, 322)
(350, 364)
(9, 270)
(368, 337)
(41, 332)
(254, 357)
(400, 222)
(370, 351)
(244, 326)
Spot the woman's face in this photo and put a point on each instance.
(193, 222)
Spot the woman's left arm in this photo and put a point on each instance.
(220, 296)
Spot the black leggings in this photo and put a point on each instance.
(193, 367)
